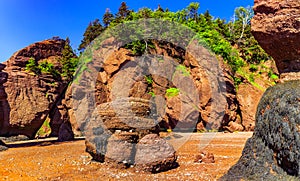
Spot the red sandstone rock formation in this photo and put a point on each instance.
(276, 26)
(31, 97)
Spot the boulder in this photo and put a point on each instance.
(116, 127)
(272, 153)
(121, 149)
(276, 26)
(65, 132)
(32, 96)
(154, 154)
(233, 126)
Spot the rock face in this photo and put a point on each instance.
(273, 151)
(276, 26)
(32, 97)
(4, 106)
(121, 77)
(248, 97)
(164, 83)
(119, 120)
(232, 117)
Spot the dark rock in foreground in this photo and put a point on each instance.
(273, 151)
(3, 146)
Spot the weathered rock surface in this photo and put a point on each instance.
(232, 116)
(273, 151)
(154, 154)
(121, 149)
(116, 127)
(276, 26)
(4, 106)
(124, 75)
(248, 97)
(32, 97)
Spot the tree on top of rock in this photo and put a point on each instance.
(193, 10)
(92, 31)
(159, 8)
(68, 60)
(108, 17)
(208, 17)
(123, 11)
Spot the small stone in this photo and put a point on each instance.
(205, 157)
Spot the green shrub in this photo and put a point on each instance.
(272, 75)
(41, 68)
(45, 130)
(32, 66)
(149, 79)
(237, 81)
(139, 47)
(152, 94)
(183, 70)
(48, 68)
(45, 67)
(253, 68)
(172, 92)
(251, 78)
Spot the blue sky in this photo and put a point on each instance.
(24, 22)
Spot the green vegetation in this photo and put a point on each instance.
(172, 92)
(231, 41)
(183, 70)
(45, 130)
(93, 30)
(41, 68)
(48, 68)
(253, 68)
(149, 79)
(108, 17)
(32, 66)
(151, 93)
(139, 47)
(68, 62)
